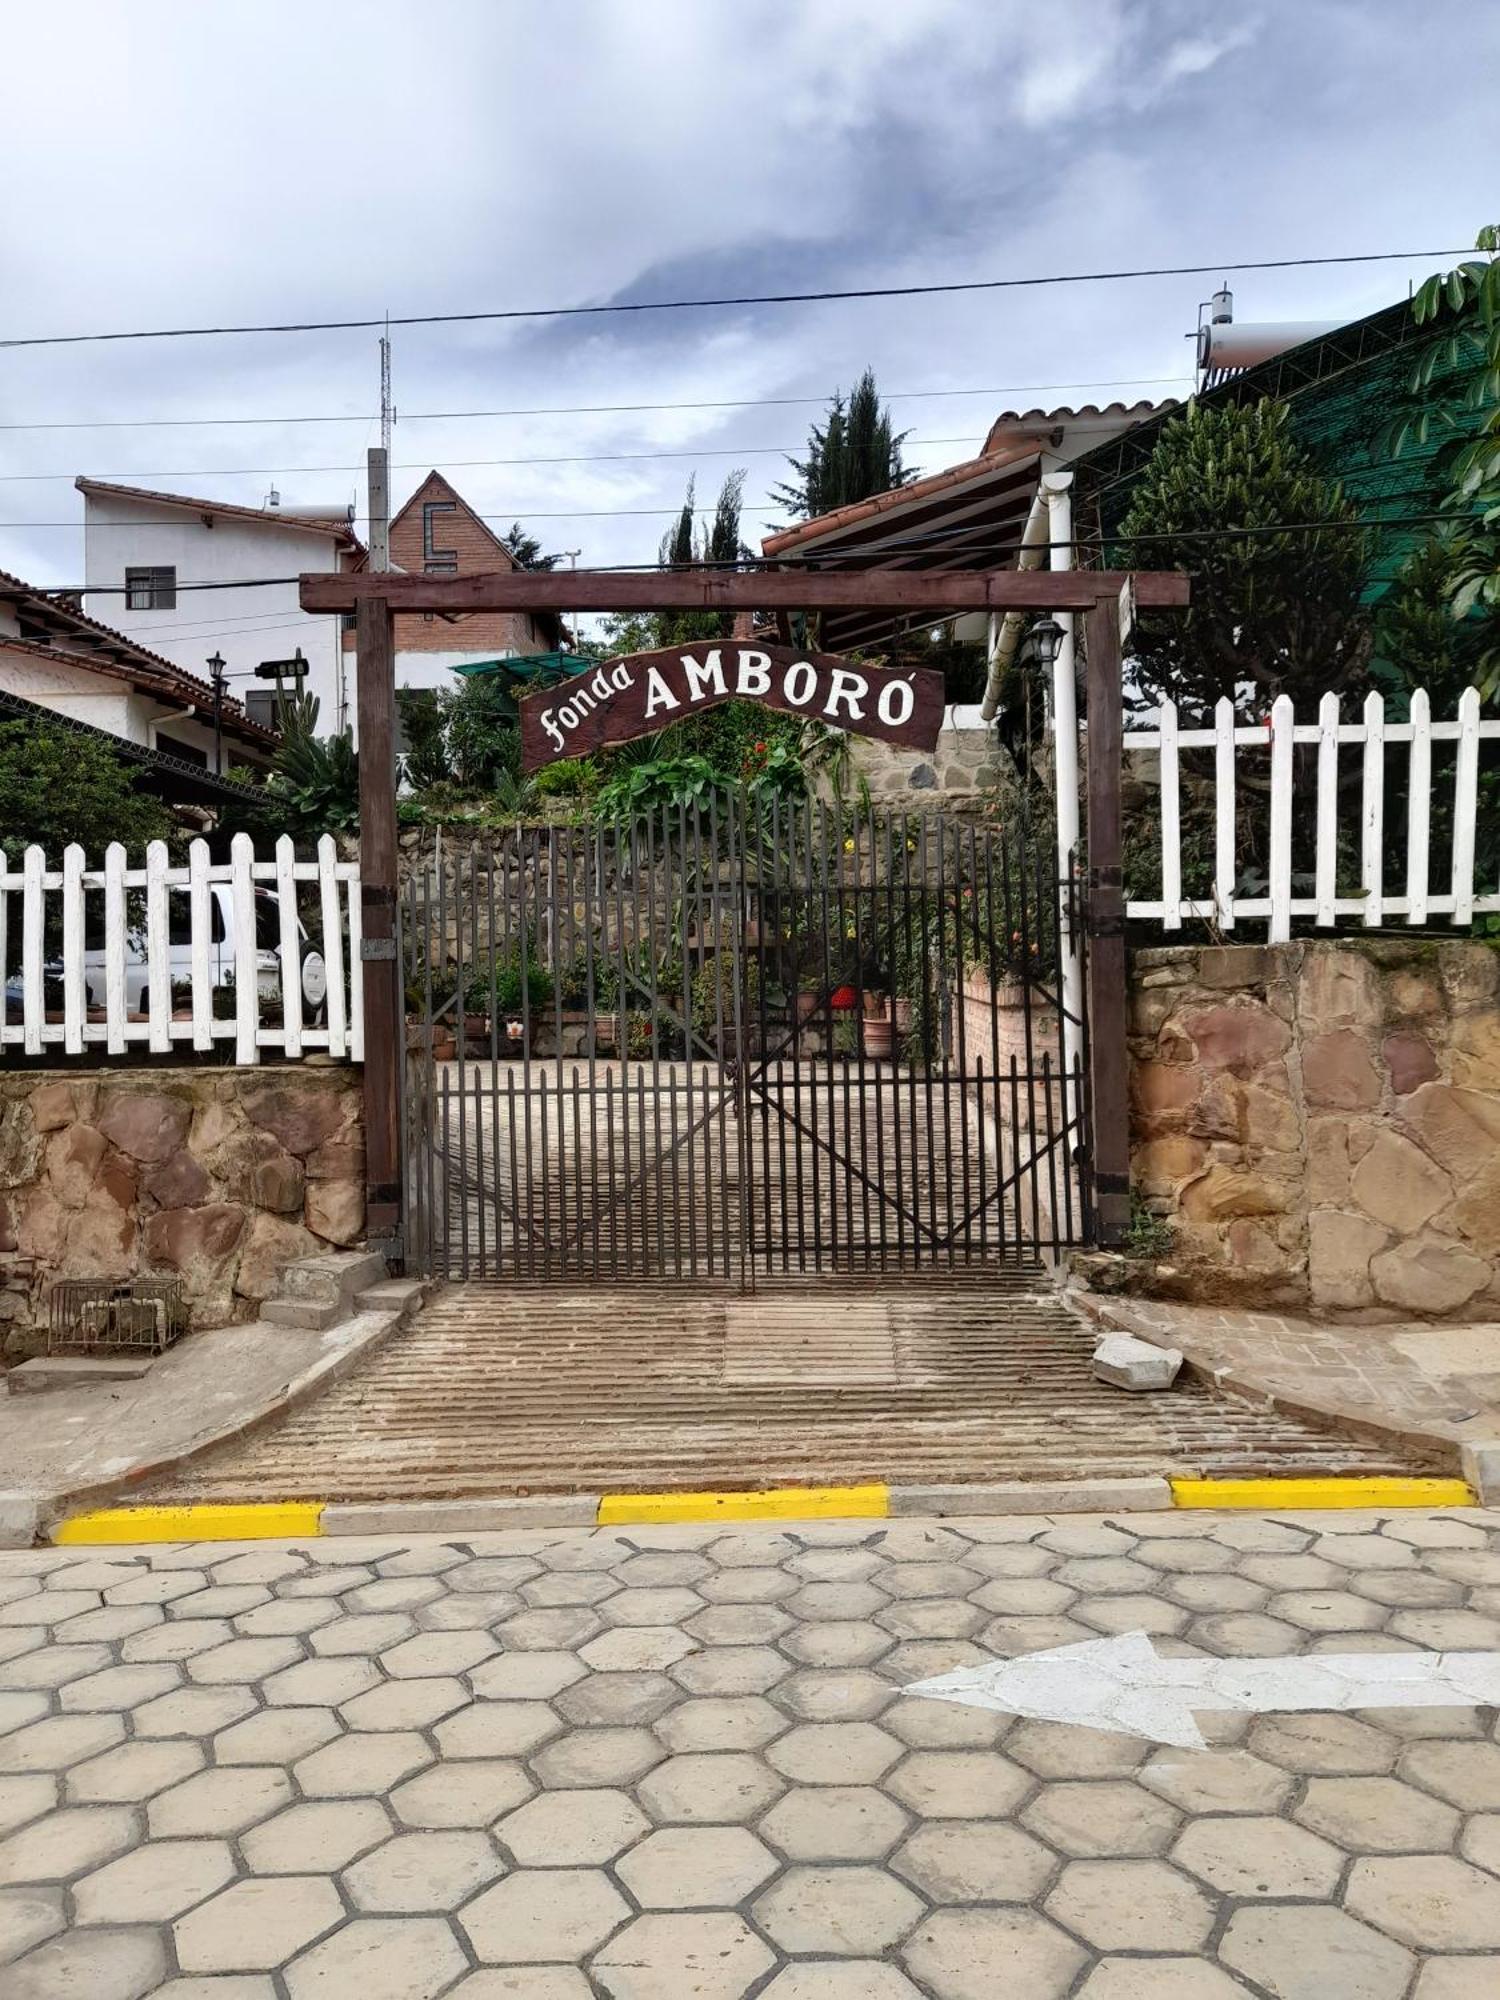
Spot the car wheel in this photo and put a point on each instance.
(314, 988)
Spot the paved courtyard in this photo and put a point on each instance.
(655, 1763)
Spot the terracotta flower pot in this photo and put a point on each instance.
(879, 1033)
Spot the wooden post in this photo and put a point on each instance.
(1108, 1060)
(380, 953)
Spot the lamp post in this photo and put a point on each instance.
(217, 679)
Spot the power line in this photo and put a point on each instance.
(964, 546)
(469, 464)
(581, 409)
(1219, 266)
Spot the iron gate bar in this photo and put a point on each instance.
(688, 933)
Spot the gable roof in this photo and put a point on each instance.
(436, 483)
(268, 517)
(52, 629)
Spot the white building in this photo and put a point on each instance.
(147, 549)
(55, 659)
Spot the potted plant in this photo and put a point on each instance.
(878, 1026)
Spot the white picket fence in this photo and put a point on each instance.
(1415, 899)
(102, 975)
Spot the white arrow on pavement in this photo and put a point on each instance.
(1124, 1685)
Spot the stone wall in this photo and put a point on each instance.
(962, 771)
(217, 1176)
(1319, 1123)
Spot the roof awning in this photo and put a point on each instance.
(529, 666)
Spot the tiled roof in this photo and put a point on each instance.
(1088, 416)
(118, 657)
(338, 526)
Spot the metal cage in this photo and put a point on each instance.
(100, 1316)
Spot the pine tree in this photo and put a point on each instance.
(1275, 610)
(684, 544)
(526, 549)
(850, 455)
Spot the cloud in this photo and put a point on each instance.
(168, 163)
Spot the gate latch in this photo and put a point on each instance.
(377, 951)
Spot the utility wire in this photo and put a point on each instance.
(772, 564)
(1219, 266)
(580, 409)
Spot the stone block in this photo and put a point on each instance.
(271, 1243)
(196, 1241)
(73, 1159)
(1480, 1461)
(18, 1520)
(335, 1210)
(1337, 988)
(1340, 1247)
(1239, 1037)
(1339, 1073)
(1162, 1165)
(1459, 1128)
(1236, 966)
(1127, 1363)
(1428, 1276)
(52, 1107)
(298, 1115)
(1409, 1061)
(178, 1182)
(1225, 1192)
(1398, 1184)
(147, 1125)
(278, 1184)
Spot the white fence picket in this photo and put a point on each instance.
(1171, 821)
(1226, 865)
(1283, 722)
(1326, 863)
(200, 920)
(72, 930)
(101, 954)
(1418, 807)
(1465, 803)
(291, 946)
(114, 948)
(158, 949)
(1372, 819)
(1408, 898)
(333, 945)
(33, 917)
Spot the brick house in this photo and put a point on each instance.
(438, 532)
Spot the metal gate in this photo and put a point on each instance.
(737, 1040)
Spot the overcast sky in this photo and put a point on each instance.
(165, 162)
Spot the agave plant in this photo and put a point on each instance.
(315, 778)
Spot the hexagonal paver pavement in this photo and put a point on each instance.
(644, 1763)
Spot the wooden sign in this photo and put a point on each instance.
(640, 693)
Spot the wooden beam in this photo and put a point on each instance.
(742, 590)
(1105, 923)
(385, 1023)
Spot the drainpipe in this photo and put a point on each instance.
(1005, 633)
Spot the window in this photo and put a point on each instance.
(151, 589)
(436, 561)
(260, 706)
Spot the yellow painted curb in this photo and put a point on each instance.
(777, 1503)
(1310, 1494)
(266, 1520)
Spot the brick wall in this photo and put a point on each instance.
(219, 1177)
(1319, 1123)
(477, 549)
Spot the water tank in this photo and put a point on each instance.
(1224, 348)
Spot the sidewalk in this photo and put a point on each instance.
(1426, 1385)
(72, 1445)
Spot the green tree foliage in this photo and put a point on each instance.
(425, 762)
(58, 785)
(853, 453)
(1272, 612)
(685, 545)
(1470, 296)
(1419, 642)
(526, 549)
